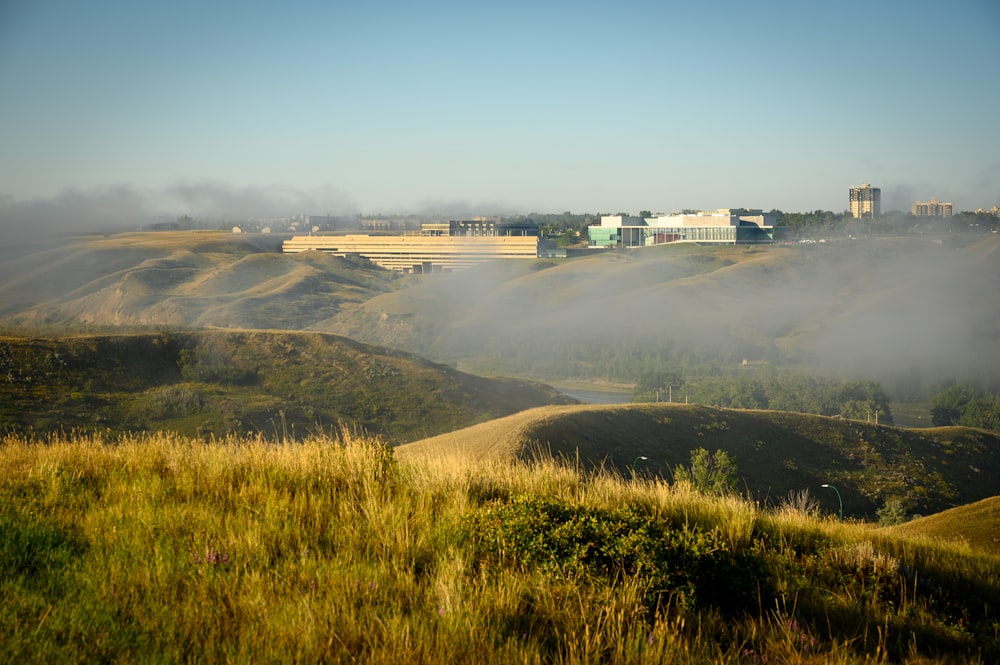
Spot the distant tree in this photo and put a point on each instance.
(645, 213)
(893, 511)
(983, 412)
(568, 238)
(949, 404)
(865, 400)
(712, 474)
(657, 386)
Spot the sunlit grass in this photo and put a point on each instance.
(164, 549)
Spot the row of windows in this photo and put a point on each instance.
(632, 236)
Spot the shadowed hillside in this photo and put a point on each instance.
(929, 470)
(279, 384)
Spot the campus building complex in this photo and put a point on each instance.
(932, 208)
(866, 201)
(724, 226)
(442, 247)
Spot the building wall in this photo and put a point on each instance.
(726, 225)
(932, 208)
(419, 253)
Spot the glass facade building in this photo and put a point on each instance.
(726, 226)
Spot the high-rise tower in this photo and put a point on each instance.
(866, 201)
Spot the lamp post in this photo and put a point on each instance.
(841, 501)
(640, 458)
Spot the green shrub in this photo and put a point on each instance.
(893, 511)
(684, 566)
(710, 473)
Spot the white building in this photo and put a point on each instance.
(723, 226)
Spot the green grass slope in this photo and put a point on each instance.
(976, 525)
(163, 549)
(929, 470)
(213, 382)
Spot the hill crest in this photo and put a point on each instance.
(776, 452)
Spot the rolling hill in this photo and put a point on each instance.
(976, 525)
(180, 279)
(910, 312)
(897, 310)
(208, 383)
(776, 452)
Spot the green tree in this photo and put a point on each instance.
(982, 412)
(712, 474)
(657, 386)
(865, 400)
(947, 406)
(892, 512)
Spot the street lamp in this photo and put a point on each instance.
(640, 458)
(841, 501)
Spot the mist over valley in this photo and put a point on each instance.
(912, 313)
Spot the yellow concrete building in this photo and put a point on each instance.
(932, 208)
(420, 253)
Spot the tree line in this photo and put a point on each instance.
(857, 400)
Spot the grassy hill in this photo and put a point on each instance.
(166, 549)
(929, 470)
(976, 525)
(910, 312)
(213, 382)
(181, 279)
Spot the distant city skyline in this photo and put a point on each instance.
(459, 108)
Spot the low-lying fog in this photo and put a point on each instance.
(895, 310)
(909, 312)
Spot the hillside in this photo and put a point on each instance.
(897, 310)
(186, 279)
(909, 312)
(930, 470)
(976, 525)
(153, 548)
(215, 382)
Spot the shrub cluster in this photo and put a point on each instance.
(680, 566)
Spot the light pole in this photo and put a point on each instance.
(841, 501)
(640, 458)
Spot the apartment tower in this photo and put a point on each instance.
(866, 201)
(932, 208)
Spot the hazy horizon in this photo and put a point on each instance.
(117, 109)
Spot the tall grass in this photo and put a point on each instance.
(157, 548)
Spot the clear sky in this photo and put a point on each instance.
(381, 106)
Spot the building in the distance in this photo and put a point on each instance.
(932, 208)
(866, 201)
(442, 247)
(723, 226)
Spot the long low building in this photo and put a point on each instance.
(723, 226)
(421, 253)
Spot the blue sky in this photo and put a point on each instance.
(232, 108)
